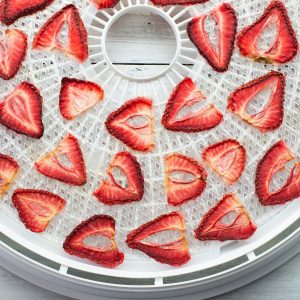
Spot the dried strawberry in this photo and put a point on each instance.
(9, 169)
(271, 116)
(182, 190)
(186, 95)
(100, 4)
(174, 253)
(227, 158)
(273, 162)
(37, 208)
(218, 57)
(285, 45)
(132, 123)
(21, 110)
(76, 45)
(214, 227)
(177, 2)
(65, 163)
(98, 225)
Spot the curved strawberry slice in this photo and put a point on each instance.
(132, 123)
(225, 17)
(177, 2)
(285, 45)
(65, 163)
(271, 116)
(214, 227)
(179, 190)
(174, 253)
(186, 95)
(273, 162)
(9, 169)
(76, 45)
(111, 192)
(98, 225)
(37, 208)
(100, 4)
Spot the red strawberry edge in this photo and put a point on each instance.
(177, 2)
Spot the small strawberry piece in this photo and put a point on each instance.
(177, 2)
(100, 4)
(285, 45)
(227, 158)
(179, 190)
(273, 162)
(65, 163)
(37, 208)
(98, 225)
(76, 45)
(186, 95)
(214, 227)
(218, 57)
(174, 253)
(271, 116)
(9, 169)
(21, 110)
(111, 192)
(132, 123)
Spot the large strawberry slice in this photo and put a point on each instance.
(101, 4)
(175, 253)
(37, 208)
(227, 158)
(184, 96)
(180, 190)
(285, 45)
(65, 163)
(271, 116)
(177, 2)
(228, 220)
(76, 45)
(112, 192)
(9, 169)
(76, 96)
(21, 110)
(132, 123)
(106, 255)
(273, 162)
(218, 57)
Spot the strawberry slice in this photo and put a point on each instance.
(9, 169)
(271, 116)
(218, 57)
(111, 192)
(186, 95)
(285, 45)
(76, 45)
(100, 4)
(76, 96)
(65, 163)
(98, 225)
(182, 190)
(21, 110)
(177, 2)
(132, 123)
(214, 225)
(37, 208)
(273, 162)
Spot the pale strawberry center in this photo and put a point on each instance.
(98, 242)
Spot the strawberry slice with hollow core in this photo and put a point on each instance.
(105, 254)
(177, 2)
(185, 96)
(174, 253)
(100, 4)
(228, 220)
(273, 162)
(9, 169)
(65, 163)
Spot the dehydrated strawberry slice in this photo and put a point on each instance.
(21, 110)
(9, 169)
(186, 95)
(214, 225)
(227, 158)
(174, 253)
(273, 162)
(271, 116)
(76, 96)
(98, 225)
(218, 57)
(100, 4)
(76, 45)
(285, 45)
(112, 192)
(37, 208)
(177, 2)
(180, 190)
(132, 123)
(65, 163)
